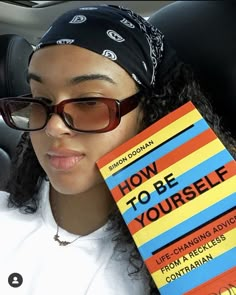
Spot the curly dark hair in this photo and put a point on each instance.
(175, 88)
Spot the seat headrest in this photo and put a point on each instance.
(14, 56)
(203, 35)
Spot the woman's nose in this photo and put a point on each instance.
(56, 127)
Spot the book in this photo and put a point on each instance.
(175, 186)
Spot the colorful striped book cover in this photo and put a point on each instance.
(175, 186)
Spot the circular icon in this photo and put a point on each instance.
(15, 280)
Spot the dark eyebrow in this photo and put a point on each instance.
(75, 80)
(90, 77)
(32, 76)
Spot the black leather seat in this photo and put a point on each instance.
(14, 55)
(204, 35)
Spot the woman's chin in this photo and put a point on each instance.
(74, 186)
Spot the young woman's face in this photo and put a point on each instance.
(68, 157)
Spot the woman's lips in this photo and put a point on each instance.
(64, 159)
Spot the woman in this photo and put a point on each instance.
(89, 61)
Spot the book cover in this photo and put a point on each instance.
(175, 186)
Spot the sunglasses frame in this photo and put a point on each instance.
(117, 109)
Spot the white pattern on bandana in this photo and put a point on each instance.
(65, 41)
(38, 46)
(109, 54)
(78, 19)
(115, 36)
(136, 79)
(127, 23)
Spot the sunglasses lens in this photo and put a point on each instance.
(87, 115)
(26, 115)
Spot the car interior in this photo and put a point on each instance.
(202, 33)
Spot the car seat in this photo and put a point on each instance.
(14, 55)
(204, 35)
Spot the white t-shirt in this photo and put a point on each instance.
(89, 266)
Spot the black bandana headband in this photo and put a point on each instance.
(114, 32)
